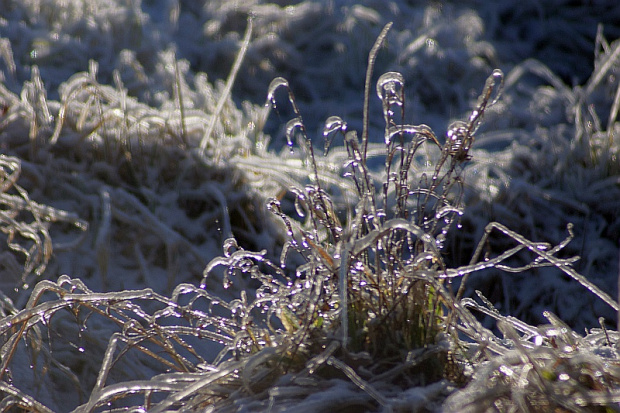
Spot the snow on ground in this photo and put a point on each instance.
(106, 104)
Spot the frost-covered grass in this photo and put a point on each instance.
(404, 270)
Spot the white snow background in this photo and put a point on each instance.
(131, 162)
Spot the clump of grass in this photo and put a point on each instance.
(378, 270)
(372, 289)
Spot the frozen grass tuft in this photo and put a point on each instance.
(25, 225)
(549, 368)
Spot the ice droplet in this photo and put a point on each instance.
(301, 205)
(275, 84)
(333, 124)
(392, 84)
(421, 130)
(229, 246)
(390, 89)
(226, 281)
(497, 78)
(291, 125)
(273, 205)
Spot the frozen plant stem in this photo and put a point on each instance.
(229, 84)
(179, 96)
(372, 56)
(344, 264)
(343, 292)
(536, 248)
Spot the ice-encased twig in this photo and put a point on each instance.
(14, 397)
(229, 84)
(372, 56)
